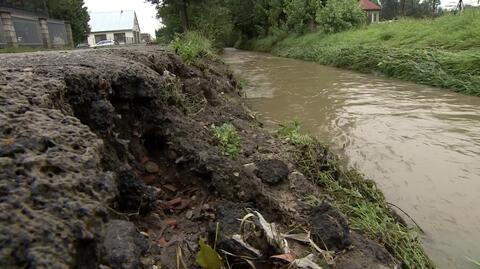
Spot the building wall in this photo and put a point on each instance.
(131, 37)
(373, 16)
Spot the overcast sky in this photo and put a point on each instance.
(145, 12)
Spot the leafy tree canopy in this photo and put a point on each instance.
(74, 12)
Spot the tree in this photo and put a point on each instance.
(211, 18)
(340, 15)
(300, 14)
(181, 6)
(390, 9)
(74, 12)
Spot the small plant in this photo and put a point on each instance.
(291, 131)
(340, 15)
(191, 46)
(207, 257)
(228, 138)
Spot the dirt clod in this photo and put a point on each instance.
(272, 172)
(133, 194)
(329, 228)
(123, 245)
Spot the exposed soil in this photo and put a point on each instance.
(107, 160)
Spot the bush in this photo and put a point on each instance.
(340, 15)
(228, 138)
(300, 14)
(191, 46)
(266, 44)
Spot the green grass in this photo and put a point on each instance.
(27, 49)
(442, 52)
(191, 46)
(357, 197)
(475, 262)
(228, 139)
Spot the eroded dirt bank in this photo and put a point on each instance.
(107, 159)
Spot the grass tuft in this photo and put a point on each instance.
(228, 138)
(356, 197)
(191, 46)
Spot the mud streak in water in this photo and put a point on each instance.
(420, 144)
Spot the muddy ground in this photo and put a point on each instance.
(107, 160)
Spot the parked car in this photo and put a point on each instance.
(106, 43)
(83, 46)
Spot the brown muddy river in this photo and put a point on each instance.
(420, 144)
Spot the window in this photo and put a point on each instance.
(99, 38)
(120, 38)
(28, 31)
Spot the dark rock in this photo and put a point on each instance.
(152, 168)
(272, 172)
(365, 253)
(228, 215)
(133, 194)
(329, 228)
(123, 245)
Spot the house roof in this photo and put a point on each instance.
(112, 21)
(368, 5)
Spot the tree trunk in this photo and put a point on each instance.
(184, 16)
(402, 3)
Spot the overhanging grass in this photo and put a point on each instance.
(191, 46)
(459, 71)
(442, 52)
(358, 198)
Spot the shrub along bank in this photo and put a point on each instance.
(443, 52)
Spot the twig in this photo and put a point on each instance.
(416, 224)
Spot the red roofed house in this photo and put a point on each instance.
(372, 10)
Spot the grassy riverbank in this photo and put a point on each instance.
(443, 52)
(357, 197)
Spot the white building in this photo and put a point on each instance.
(121, 26)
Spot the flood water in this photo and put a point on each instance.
(420, 144)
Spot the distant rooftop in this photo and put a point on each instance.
(112, 21)
(368, 5)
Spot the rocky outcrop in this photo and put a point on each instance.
(107, 159)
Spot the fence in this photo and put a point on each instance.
(2, 38)
(58, 33)
(28, 31)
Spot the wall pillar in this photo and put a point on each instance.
(45, 34)
(68, 30)
(9, 30)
